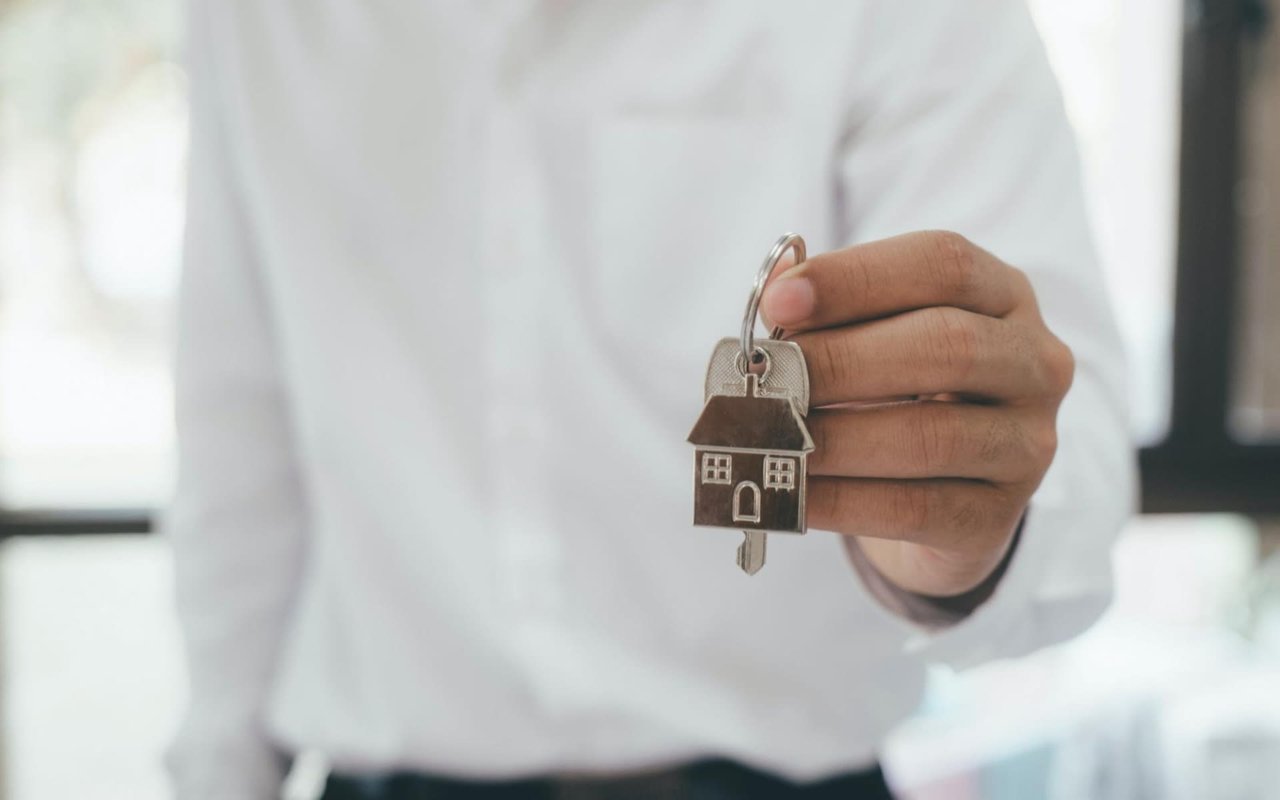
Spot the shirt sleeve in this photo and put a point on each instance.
(959, 125)
(236, 521)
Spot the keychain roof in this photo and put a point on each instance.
(753, 421)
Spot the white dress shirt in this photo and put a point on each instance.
(454, 270)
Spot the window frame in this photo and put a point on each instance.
(780, 467)
(712, 467)
(1200, 466)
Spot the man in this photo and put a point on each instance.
(453, 273)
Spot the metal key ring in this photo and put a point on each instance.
(747, 340)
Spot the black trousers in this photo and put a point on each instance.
(703, 780)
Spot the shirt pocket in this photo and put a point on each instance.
(683, 210)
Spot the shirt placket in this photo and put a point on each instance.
(527, 557)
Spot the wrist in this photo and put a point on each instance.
(936, 573)
(932, 608)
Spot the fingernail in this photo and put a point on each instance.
(788, 300)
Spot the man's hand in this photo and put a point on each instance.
(935, 389)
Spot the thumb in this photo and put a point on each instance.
(783, 299)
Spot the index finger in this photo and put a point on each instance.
(890, 276)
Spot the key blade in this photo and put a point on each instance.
(751, 552)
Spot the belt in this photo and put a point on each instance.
(714, 779)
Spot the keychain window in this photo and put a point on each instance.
(716, 468)
(779, 473)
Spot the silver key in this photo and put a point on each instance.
(751, 445)
(750, 441)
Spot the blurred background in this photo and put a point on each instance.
(1176, 694)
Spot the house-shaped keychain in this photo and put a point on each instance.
(749, 462)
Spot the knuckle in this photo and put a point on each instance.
(952, 341)
(1002, 440)
(1043, 442)
(910, 509)
(1059, 365)
(965, 514)
(933, 442)
(1021, 282)
(953, 262)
